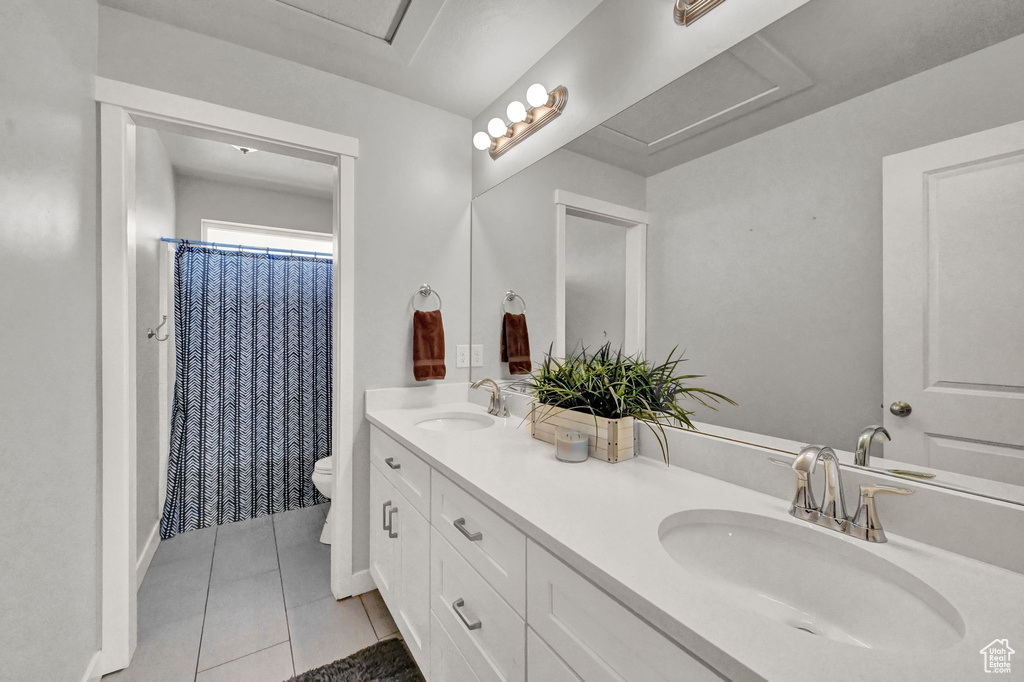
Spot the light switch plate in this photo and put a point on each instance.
(462, 355)
(478, 355)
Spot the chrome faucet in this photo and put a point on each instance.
(867, 437)
(831, 513)
(497, 405)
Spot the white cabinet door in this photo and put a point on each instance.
(413, 580)
(488, 632)
(953, 296)
(382, 546)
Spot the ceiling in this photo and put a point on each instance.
(824, 53)
(211, 160)
(377, 18)
(457, 55)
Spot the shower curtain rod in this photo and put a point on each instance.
(268, 249)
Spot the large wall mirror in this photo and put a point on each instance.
(825, 241)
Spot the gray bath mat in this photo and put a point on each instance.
(386, 661)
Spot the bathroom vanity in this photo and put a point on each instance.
(501, 563)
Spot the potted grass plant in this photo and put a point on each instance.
(603, 394)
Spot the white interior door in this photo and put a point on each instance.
(953, 278)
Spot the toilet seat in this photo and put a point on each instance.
(325, 465)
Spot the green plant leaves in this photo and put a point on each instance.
(610, 384)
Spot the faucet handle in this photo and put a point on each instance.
(869, 491)
(866, 524)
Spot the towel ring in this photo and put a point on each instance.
(425, 291)
(511, 296)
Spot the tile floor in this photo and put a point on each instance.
(248, 601)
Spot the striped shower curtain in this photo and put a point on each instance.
(252, 390)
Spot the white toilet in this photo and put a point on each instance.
(323, 477)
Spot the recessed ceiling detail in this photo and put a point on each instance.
(750, 76)
(378, 18)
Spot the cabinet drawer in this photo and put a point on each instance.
(542, 664)
(447, 664)
(597, 637)
(408, 473)
(490, 544)
(488, 633)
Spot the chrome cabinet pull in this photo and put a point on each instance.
(460, 525)
(392, 533)
(457, 606)
(384, 521)
(390, 461)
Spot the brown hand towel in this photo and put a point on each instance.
(427, 345)
(515, 344)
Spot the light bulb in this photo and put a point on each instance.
(496, 127)
(481, 141)
(537, 95)
(516, 112)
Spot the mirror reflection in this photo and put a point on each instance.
(595, 283)
(835, 239)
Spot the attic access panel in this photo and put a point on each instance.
(377, 18)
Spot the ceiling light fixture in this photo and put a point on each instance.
(689, 11)
(244, 150)
(501, 136)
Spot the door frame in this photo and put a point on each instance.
(122, 107)
(635, 222)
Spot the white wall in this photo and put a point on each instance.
(603, 81)
(154, 218)
(199, 198)
(514, 245)
(49, 358)
(412, 188)
(764, 258)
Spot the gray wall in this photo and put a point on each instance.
(154, 218)
(199, 198)
(49, 367)
(412, 189)
(514, 245)
(765, 258)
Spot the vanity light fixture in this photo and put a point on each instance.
(689, 11)
(501, 136)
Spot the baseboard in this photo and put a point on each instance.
(142, 565)
(92, 671)
(360, 583)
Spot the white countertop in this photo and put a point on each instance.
(603, 520)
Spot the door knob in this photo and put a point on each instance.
(900, 408)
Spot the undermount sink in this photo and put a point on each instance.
(809, 580)
(455, 421)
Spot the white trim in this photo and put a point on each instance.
(92, 671)
(362, 582)
(265, 229)
(598, 208)
(142, 565)
(635, 222)
(342, 579)
(169, 112)
(122, 107)
(117, 376)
